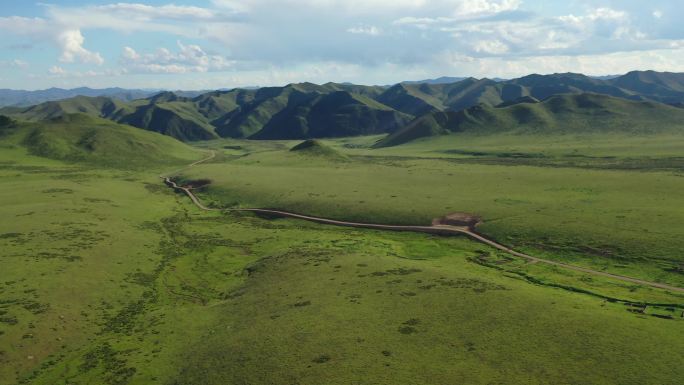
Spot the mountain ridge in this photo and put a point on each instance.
(308, 110)
(559, 114)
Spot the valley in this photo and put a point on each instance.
(270, 257)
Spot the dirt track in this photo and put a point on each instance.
(434, 229)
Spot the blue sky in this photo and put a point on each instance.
(207, 44)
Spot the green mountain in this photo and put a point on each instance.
(332, 115)
(296, 111)
(95, 106)
(412, 99)
(560, 114)
(418, 99)
(666, 87)
(307, 110)
(179, 119)
(165, 113)
(254, 113)
(87, 139)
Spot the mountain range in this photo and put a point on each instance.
(405, 110)
(21, 98)
(559, 114)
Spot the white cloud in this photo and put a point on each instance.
(367, 30)
(71, 43)
(355, 6)
(603, 22)
(57, 70)
(485, 7)
(25, 26)
(494, 47)
(272, 40)
(189, 58)
(600, 64)
(16, 63)
(130, 54)
(69, 40)
(452, 8)
(143, 11)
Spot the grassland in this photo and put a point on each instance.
(619, 213)
(110, 278)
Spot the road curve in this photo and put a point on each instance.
(434, 229)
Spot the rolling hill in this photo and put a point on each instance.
(314, 148)
(560, 114)
(307, 110)
(296, 111)
(87, 139)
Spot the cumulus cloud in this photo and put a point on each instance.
(369, 39)
(71, 43)
(188, 58)
(485, 7)
(69, 40)
(603, 22)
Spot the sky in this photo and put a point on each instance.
(212, 44)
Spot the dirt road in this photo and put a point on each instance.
(434, 229)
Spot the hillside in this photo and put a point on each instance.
(307, 110)
(664, 86)
(561, 114)
(5, 121)
(178, 119)
(314, 148)
(97, 106)
(296, 111)
(335, 114)
(87, 139)
(419, 98)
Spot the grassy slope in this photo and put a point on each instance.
(314, 148)
(83, 138)
(663, 86)
(178, 119)
(620, 214)
(111, 278)
(165, 113)
(99, 106)
(331, 115)
(558, 115)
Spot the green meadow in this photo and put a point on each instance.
(620, 212)
(109, 277)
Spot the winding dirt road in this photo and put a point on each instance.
(434, 229)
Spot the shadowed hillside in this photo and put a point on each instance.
(563, 114)
(311, 147)
(307, 110)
